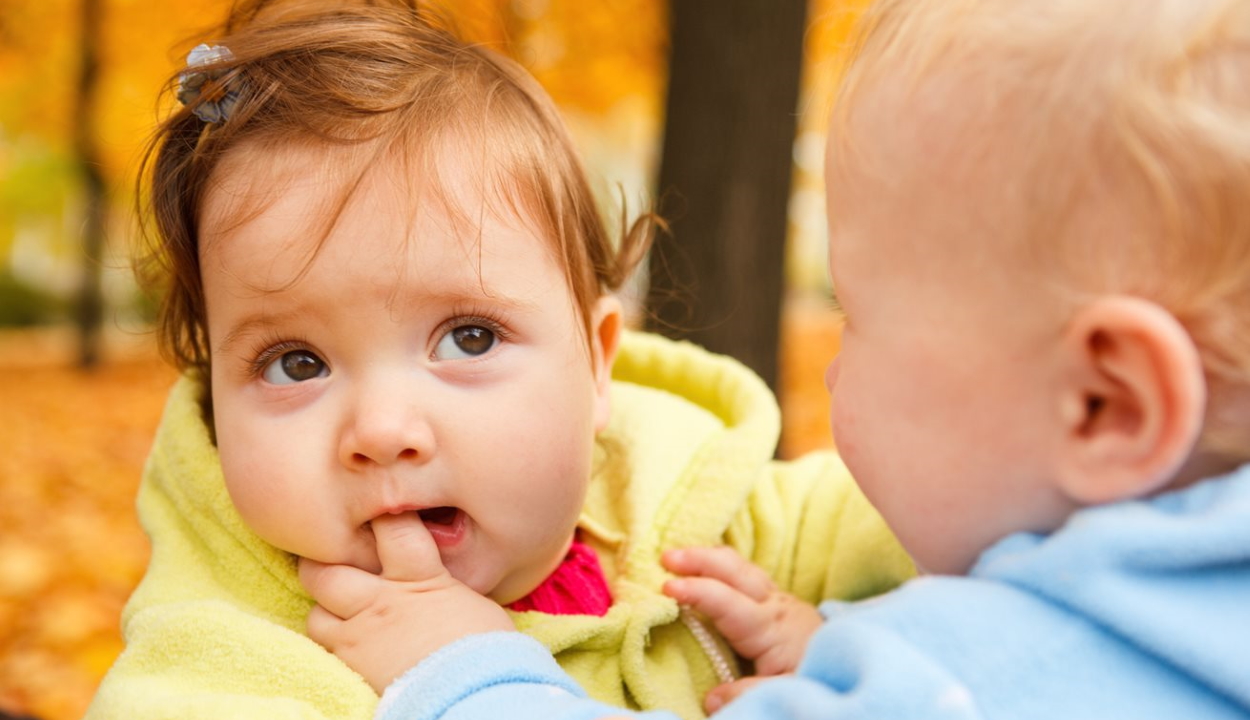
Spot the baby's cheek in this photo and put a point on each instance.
(844, 425)
(841, 416)
(248, 498)
(267, 508)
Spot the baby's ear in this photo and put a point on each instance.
(605, 326)
(1133, 404)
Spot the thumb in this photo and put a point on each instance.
(405, 548)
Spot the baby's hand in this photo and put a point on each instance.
(759, 621)
(381, 625)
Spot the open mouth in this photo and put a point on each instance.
(445, 515)
(447, 524)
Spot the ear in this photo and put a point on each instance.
(1133, 407)
(605, 326)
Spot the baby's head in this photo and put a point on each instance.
(1040, 234)
(388, 263)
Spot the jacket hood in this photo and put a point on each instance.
(685, 423)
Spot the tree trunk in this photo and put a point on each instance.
(725, 176)
(89, 313)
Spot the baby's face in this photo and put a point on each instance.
(942, 388)
(413, 366)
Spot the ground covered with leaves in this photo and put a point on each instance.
(72, 446)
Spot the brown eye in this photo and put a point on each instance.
(295, 366)
(473, 339)
(466, 341)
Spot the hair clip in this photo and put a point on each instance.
(209, 98)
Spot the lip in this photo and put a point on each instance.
(447, 532)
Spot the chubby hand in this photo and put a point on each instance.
(381, 625)
(760, 622)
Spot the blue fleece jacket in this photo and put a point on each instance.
(1134, 610)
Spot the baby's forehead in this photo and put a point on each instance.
(254, 175)
(965, 179)
(305, 217)
(931, 136)
(312, 185)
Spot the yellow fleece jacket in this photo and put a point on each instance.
(216, 627)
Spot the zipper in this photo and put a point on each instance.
(715, 654)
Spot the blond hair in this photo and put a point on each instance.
(1131, 107)
(390, 77)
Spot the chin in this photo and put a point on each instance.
(505, 592)
(476, 583)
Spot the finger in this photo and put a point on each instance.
(721, 695)
(405, 548)
(735, 615)
(721, 563)
(323, 627)
(340, 589)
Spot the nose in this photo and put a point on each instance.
(384, 428)
(831, 373)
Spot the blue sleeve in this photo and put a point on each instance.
(859, 671)
(492, 675)
(852, 671)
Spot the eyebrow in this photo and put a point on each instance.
(252, 325)
(256, 323)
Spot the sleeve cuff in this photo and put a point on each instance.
(468, 666)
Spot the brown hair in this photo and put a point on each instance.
(394, 77)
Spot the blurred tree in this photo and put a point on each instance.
(725, 175)
(90, 307)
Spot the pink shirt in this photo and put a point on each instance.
(577, 587)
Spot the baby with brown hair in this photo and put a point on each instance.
(391, 292)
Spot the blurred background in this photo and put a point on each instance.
(81, 385)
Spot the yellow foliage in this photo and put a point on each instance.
(71, 550)
(589, 55)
